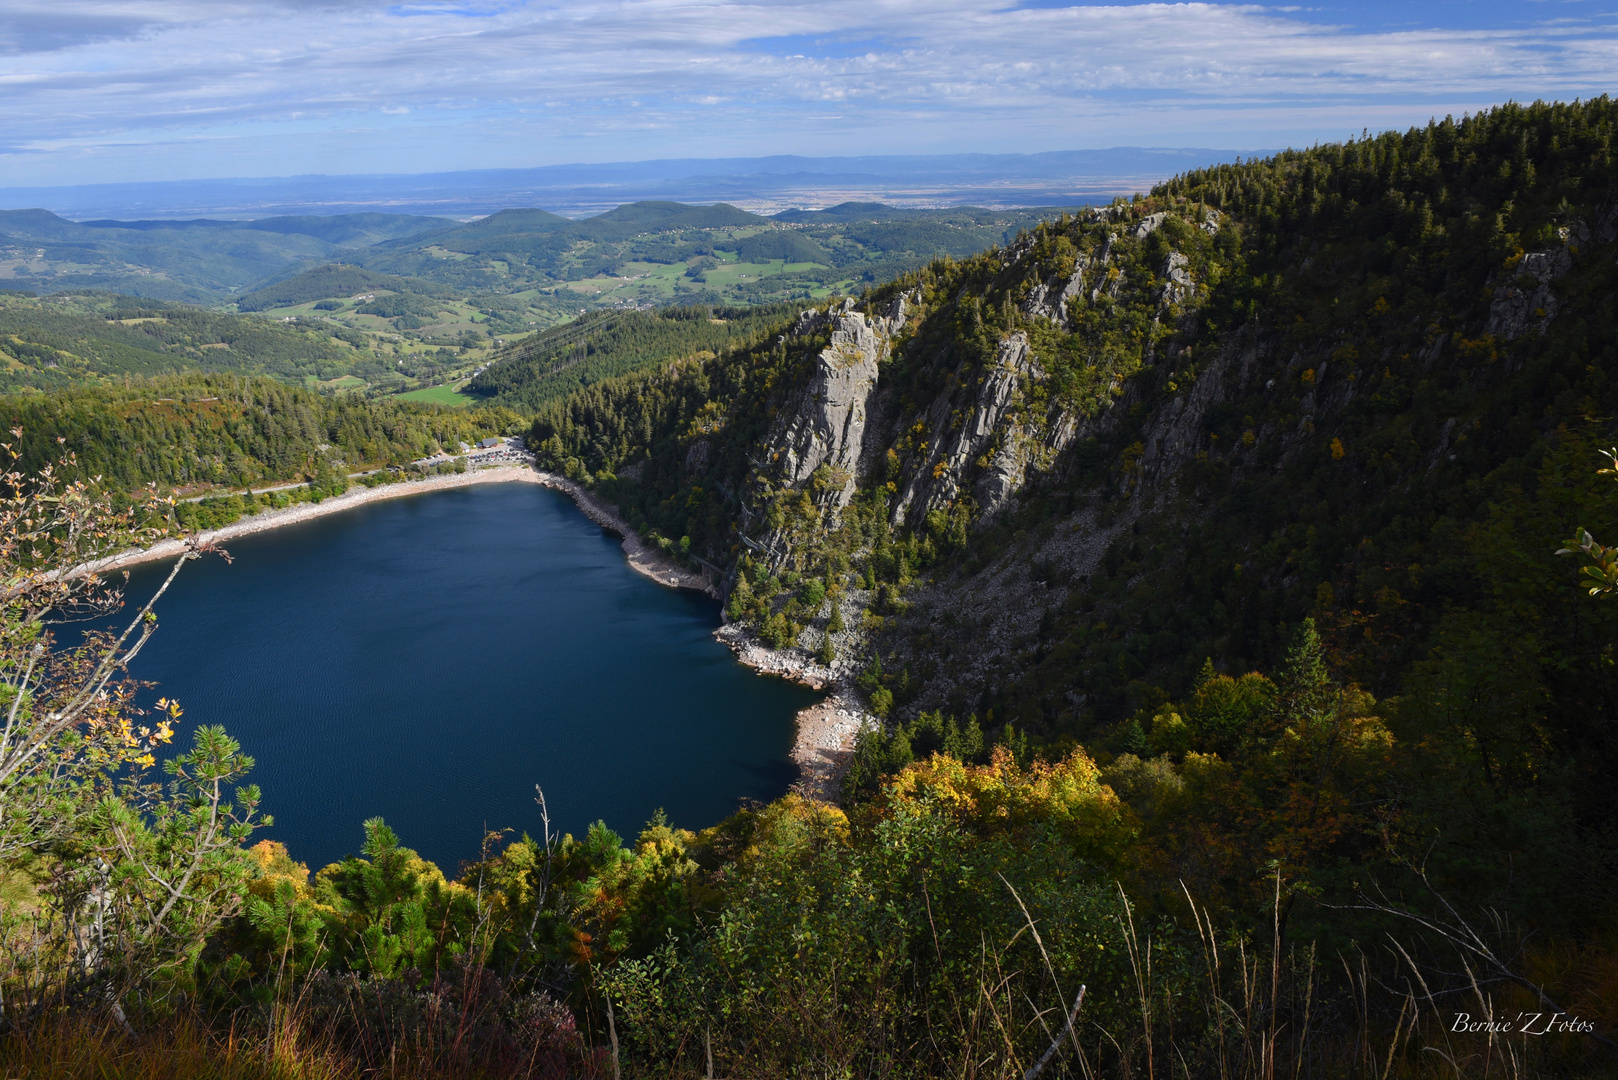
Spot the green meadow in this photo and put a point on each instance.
(440, 395)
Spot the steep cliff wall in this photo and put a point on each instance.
(820, 432)
(971, 424)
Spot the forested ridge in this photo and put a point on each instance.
(1199, 555)
(197, 431)
(65, 341)
(554, 363)
(1373, 407)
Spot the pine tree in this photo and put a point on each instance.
(1134, 739)
(1307, 694)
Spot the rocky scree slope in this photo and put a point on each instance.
(1046, 483)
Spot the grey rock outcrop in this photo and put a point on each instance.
(1024, 446)
(1177, 284)
(1529, 300)
(1049, 299)
(1106, 284)
(939, 483)
(825, 423)
(1147, 225)
(984, 430)
(1606, 225)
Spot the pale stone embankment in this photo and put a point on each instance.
(827, 729)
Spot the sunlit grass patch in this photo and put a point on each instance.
(440, 395)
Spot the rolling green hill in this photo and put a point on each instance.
(331, 281)
(659, 252)
(62, 340)
(194, 261)
(516, 271)
(498, 277)
(601, 345)
(90, 338)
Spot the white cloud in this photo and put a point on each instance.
(227, 87)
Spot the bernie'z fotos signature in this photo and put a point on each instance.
(1524, 1024)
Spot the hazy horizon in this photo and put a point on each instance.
(760, 184)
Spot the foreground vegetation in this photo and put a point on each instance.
(1307, 772)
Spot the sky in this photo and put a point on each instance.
(97, 91)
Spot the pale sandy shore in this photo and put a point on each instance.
(825, 731)
(643, 557)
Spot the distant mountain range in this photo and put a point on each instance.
(195, 260)
(763, 184)
(386, 303)
(640, 254)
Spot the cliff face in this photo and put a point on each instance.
(824, 423)
(1099, 444)
(974, 427)
(1183, 468)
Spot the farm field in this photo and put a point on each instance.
(440, 395)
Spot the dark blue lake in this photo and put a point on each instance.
(430, 659)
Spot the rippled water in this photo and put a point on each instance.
(430, 658)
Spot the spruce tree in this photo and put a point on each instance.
(1307, 696)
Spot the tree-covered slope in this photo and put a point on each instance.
(601, 345)
(331, 281)
(1050, 485)
(195, 431)
(72, 339)
(64, 340)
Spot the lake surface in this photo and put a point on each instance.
(429, 659)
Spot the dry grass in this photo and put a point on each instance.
(91, 1048)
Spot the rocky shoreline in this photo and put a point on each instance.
(826, 730)
(824, 742)
(643, 557)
